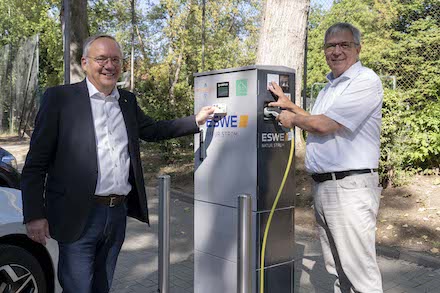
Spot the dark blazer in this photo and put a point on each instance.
(60, 173)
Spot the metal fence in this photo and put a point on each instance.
(18, 85)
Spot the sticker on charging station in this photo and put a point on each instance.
(223, 90)
(241, 87)
(273, 77)
(274, 139)
(202, 90)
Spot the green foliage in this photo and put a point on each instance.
(164, 80)
(410, 137)
(21, 19)
(414, 57)
(167, 44)
(394, 134)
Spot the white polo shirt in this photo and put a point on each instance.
(354, 100)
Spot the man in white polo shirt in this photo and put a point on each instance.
(342, 155)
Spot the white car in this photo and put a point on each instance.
(25, 265)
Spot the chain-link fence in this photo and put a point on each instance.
(400, 40)
(18, 85)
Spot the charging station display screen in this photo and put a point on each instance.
(223, 90)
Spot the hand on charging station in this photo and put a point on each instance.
(289, 109)
(274, 109)
(204, 114)
(282, 100)
(273, 113)
(270, 112)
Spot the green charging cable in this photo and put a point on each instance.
(275, 203)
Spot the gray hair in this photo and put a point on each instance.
(342, 27)
(88, 42)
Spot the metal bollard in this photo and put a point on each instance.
(164, 234)
(244, 253)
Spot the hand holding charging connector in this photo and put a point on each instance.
(271, 112)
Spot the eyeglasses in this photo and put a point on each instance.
(344, 46)
(102, 60)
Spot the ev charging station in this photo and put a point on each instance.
(242, 151)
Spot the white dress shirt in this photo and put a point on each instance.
(111, 143)
(354, 100)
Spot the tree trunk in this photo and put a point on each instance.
(79, 31)
(179, 60)
(141, 43)
(175, 80)
(282, 40)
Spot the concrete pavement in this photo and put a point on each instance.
(137, 265)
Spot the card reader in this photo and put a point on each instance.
(220, 109)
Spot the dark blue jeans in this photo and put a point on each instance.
(88, 264)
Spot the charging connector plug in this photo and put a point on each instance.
(270, 113)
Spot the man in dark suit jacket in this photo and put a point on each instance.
(83, 172)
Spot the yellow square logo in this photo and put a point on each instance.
(243, 121)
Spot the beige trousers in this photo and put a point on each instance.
(346, 212)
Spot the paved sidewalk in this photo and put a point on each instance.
(137, 265)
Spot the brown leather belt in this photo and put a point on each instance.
(111, 200)
(321, 177)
